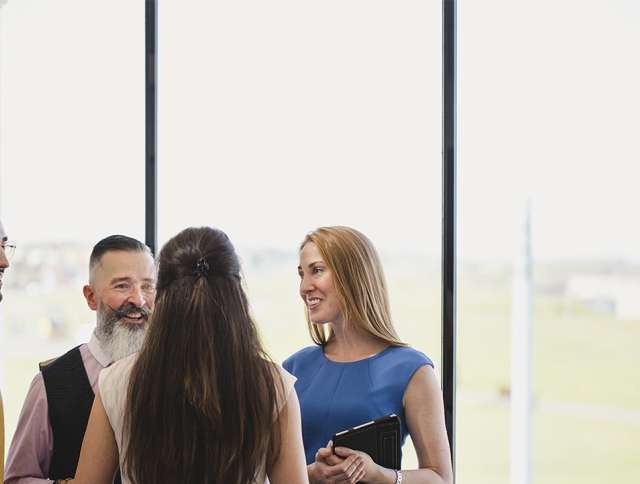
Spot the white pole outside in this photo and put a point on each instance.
(521, 354)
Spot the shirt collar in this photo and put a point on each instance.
(98, 352)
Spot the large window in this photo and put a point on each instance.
(279, 117)
(71, 167)
(549, 112)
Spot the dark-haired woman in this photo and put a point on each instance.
(201, 403)
(359, 369)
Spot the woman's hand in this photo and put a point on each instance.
(372, 472)
(332, 469)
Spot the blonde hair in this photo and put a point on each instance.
(359, 282)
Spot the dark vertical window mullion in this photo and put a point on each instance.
(449, 217)
(151, 126)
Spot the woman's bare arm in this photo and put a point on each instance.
(99, 455)
(291, 465)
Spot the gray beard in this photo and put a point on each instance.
(117, 338)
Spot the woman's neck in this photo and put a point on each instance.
(348, 343)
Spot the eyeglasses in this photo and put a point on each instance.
(8, 248)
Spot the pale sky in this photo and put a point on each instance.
(277, 117)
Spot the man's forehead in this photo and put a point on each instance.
(3, 234)
(122, 264)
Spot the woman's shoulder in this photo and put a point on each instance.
(280, 374)
(288, 380)
(407, 355)
(113, 384)
(116, 373)
(302, 358)
(284, 383)
(398, 364)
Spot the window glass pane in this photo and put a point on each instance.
(71, 167)
(279, 117)
(549, 112)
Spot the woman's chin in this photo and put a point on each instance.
(319, 321)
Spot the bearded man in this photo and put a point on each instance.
(48, 438)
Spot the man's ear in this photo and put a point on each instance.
(90, 296)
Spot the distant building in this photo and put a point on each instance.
(618, 295)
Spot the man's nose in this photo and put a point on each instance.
(4, 261)
(136, 296)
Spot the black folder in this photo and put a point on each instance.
(379, 438)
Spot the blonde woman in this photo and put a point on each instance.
(359, 369)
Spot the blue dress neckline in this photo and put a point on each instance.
(368, 358)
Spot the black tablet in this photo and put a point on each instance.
(379, 438)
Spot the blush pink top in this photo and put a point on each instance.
(114, 382)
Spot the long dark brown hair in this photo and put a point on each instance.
(202, 398)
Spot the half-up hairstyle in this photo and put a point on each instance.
(359, 282)
(202, 398)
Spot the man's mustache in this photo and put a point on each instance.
(130, 308)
